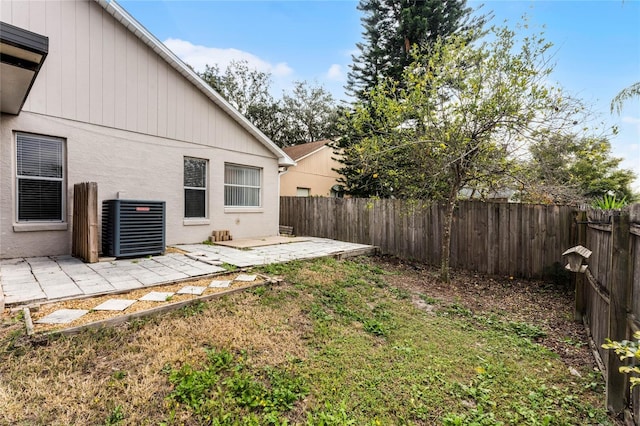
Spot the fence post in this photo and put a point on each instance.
(85, 221)
(579, 279)
(620, 283)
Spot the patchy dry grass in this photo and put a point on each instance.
(92, 316)
(337, 344)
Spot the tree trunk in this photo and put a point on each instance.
(445, 248)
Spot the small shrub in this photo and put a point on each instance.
(527, 331)
(375, 327)
(609, 202)
(628, 350)
(193, 309)
(227, 391)
(115, 417)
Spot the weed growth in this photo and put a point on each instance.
(228, 391)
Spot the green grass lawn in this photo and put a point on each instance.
(334, 345)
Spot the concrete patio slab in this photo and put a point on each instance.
(38, 279)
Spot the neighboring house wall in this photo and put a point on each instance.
(128, 119)
(314, 172)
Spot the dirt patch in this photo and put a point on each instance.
(546, 305)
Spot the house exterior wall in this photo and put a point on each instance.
(128, 120)
(313, 172)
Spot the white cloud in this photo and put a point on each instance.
(335, 73)
(632, 120)
(198, 56)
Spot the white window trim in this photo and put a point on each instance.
(195, 221)
(41, 225)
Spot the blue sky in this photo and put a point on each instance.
(596, 44)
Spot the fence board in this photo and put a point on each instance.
(613, 285)
(85, 222)
(494, 238)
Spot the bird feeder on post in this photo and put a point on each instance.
(576, 255)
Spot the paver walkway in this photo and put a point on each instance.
(65, 316)
(38, 279)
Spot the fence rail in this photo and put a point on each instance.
(494, 238)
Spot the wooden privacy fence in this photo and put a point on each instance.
(85, 221)
(494, 238)
(608, 294)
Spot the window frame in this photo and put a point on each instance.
(307, 194)
(234, 185)
(204, 188)
(62, 180)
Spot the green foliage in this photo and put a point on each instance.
(392, 29)
(525, 330)
(227, 391)
(280, 268)
(566, 169)
(424, 362)
(543, 405)
(457, 119)
(628, 350)
(229, 267)
(305, 114)
(375, 327)
(116, 416)
(460, 114)
(192, 309)
(330, 416)
(521, 330)
(609, 202)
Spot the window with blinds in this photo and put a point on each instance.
(40, 178)
(242, 186)
(195, 187)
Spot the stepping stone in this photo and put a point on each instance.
(245, 278)
(220, 284)
(190, 289)
(62, 316)
(115, 305)
(156, 296)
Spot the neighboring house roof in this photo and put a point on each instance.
(298, 152)
(156, 45)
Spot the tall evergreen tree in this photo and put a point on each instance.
(393, 27)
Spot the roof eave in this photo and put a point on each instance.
(122, 16)
(312, 152)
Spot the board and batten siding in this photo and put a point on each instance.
(99, 72)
